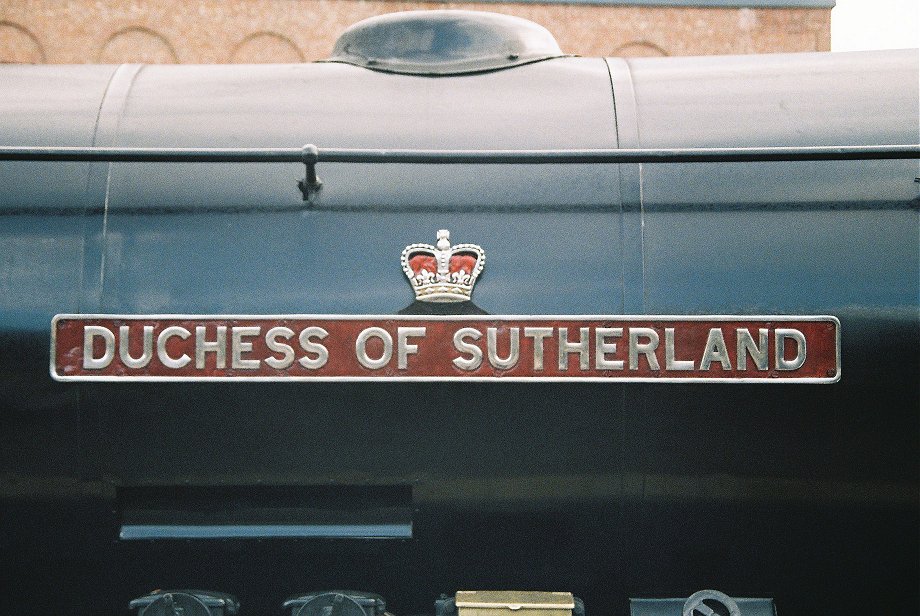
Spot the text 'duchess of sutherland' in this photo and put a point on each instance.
(335, 347)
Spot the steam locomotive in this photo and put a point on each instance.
(689, 191)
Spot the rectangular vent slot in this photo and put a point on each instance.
(263, 512)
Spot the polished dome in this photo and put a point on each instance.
(444, 42)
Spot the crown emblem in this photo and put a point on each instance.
(443, 273)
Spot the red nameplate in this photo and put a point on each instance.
(324, 347)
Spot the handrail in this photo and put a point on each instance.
(481, 157)
(310, 155)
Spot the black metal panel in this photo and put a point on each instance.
(820, 476)
(807, 494)
(54, 525)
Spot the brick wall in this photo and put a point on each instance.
(205, 31)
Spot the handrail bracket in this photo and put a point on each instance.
(311, 184)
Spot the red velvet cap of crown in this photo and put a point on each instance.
(460, 261)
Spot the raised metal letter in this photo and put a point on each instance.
(238, 347)
(322, 353)
(89, 335)
(463, 346)
(163, 338)
(538, 334)
(580, 347)
(646, 348)
(218, 347)
(403, 348)
(789, 364)
(124, 349)
(271, 341)
(747, 345)
(670, 363)
(361, 348)
(602, 347)
(514, 335)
